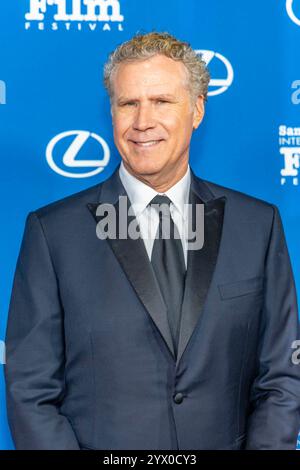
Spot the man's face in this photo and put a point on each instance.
(153, 115)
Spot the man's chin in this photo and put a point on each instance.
(144, 168)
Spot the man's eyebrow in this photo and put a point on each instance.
(166, 96)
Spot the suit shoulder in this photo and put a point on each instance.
(254, 214)
(240, 198)
(69, 203)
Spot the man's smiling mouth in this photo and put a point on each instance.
(148, 143)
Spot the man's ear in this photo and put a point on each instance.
(198, 111)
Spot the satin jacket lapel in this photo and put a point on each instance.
(201, 263)
(133, 258)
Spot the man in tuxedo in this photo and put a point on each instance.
(146, 342)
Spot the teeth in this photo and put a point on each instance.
(147, 144)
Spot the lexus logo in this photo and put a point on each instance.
(290, 11)
(62, 153)
(218, 61)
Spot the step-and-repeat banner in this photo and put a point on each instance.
(51, 58)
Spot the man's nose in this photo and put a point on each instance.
(144, 118)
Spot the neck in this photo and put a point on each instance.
(163, 181)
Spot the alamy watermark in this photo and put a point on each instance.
(296, 353)
(116, 224)
(2, 353)
(2, 92)
(296, 94)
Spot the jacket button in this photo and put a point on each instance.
(178, 398)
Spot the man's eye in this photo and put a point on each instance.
(162, 101)
(129, 103)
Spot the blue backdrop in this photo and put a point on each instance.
(51, 95)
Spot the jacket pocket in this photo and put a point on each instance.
(239, 288)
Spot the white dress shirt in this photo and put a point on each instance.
(140, 194)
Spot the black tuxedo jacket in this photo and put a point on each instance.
(90, 362)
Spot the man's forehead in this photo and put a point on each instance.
(165, 90)
(157, 72)
(158, 62)
(149, 86)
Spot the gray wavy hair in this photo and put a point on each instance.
(144, 46)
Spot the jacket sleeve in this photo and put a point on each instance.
(274, 419)
(34, 369)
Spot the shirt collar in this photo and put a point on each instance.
(140, 194)
(179, 193)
